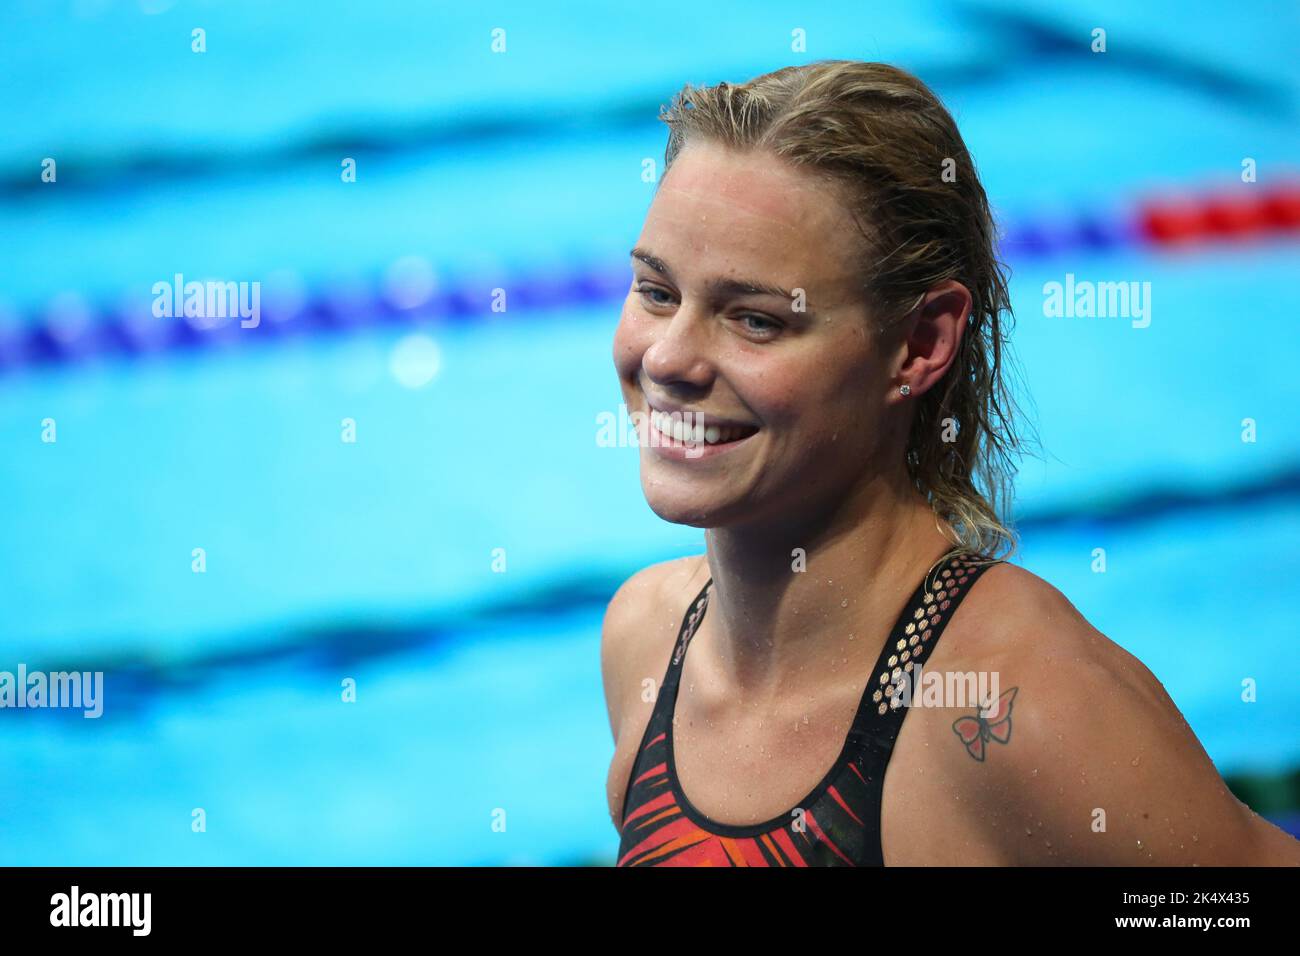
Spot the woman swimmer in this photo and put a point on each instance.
(813, 343)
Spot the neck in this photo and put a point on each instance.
(860, 559)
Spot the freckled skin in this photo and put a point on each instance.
(717, 213)
(1093, 728)
(1100, 768)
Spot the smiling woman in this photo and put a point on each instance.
(852, 180)
(816, 286)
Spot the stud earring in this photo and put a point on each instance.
(905, 390)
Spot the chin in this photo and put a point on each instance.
(687, 506)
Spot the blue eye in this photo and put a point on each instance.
(767, 324)
(650, 290)
(757, 325)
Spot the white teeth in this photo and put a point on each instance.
(680, 430)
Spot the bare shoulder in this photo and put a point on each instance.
(1014, 618)
(640, 624)
(1081, 756)
(1010, 607)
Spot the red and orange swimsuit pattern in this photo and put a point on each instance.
(838, 824)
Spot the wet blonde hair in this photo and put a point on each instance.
(881, 138)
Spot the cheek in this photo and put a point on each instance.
(829, 405)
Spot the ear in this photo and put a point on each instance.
(930, 338)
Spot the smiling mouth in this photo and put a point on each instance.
(694, 428)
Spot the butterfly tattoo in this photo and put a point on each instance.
(992, 723)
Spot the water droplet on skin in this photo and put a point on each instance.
(844, 603)
(1034, 773)
(1134, 761)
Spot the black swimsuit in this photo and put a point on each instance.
(839, 824)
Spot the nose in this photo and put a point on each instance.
(679, 355)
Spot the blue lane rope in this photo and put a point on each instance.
(63, 334)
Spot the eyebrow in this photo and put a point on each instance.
(720, 288)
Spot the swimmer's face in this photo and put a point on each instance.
(797, 398)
